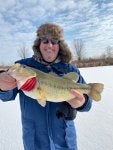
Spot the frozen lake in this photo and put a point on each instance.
(94, 129)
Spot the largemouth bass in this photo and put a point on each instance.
(49, 87)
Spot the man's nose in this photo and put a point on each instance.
(49, 44)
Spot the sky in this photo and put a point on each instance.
(94, 128)
(88, 20)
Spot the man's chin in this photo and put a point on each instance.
(50, 60)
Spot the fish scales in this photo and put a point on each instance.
(52, 87)
(56, 90)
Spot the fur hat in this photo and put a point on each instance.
(53, 30)
(50, 29)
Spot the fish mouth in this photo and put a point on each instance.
(11, 71)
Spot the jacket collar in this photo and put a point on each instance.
(57, 67)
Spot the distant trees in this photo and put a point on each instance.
(79, 49)
(109, 52)
(23, 52)
(104, 59)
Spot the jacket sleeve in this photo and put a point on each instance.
(88, 101)
(8, 95)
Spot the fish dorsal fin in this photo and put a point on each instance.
(72, 76)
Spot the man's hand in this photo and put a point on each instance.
(78, 101)
(7, 82)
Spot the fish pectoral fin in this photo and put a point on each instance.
(72, 76)
(42, 98)
(42, 102)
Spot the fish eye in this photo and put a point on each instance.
(24, 66)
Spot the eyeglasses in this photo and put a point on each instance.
(46, 41)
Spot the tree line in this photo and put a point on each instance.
(80, 55)
(80, 60)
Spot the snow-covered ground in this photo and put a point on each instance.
(94, 129)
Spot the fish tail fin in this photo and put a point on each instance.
(96, 90)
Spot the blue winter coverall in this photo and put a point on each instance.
(42, 129)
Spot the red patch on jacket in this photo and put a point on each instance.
(29, 84)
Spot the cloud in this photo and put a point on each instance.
(89, 20)
(7, 4)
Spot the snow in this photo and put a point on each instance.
(94, 128)
(10, 126)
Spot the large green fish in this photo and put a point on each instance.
(49, 87)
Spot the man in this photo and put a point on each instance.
(51, 127)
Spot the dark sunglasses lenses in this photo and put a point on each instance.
(54, 41)
(46, 41)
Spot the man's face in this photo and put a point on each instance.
(49, 48)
